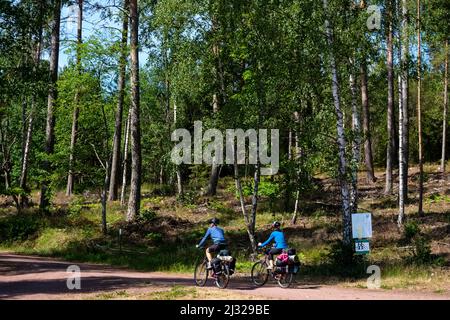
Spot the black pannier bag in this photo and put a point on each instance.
(232, 266)
(280, 266)
(294, 264)
(215, 263)
(224, 252)
(291, 252)
(280, 263)
(283, 269)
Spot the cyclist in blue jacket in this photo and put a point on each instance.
(280, 243)
(218, 238)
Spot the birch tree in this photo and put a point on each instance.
(342, 167)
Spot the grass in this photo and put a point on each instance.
(174, 293)
(417, 278)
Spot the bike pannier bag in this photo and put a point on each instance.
(291, 252)
(215, 263)
(232, 266)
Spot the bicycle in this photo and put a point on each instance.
(260, 272)
(221, 278)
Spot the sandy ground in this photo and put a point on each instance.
(28, 277)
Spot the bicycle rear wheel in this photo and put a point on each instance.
(259, 274)
(223, 278)
(201, 273)
(285, 280)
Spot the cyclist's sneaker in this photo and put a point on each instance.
(269, 268)
(208, 265)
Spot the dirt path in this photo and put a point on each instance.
(27, 277)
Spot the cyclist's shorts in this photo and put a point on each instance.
(216, 247)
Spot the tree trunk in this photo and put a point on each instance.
(52, 95)
(215, 168)
(27, 144)
(419, 113)
(76, 111)
(297, 157)
(125, 160)
(6, 164)
(73, 137)
(403, 117)
(405, 94)
(113, 183)
(105, 188)
(177, 168)
(390, 102)
(356, 144)
(368, 158)
(136, 161)
(247, 220)
(347, 228)
(444, 117)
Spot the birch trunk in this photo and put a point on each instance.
(340, 134)
(390, 102)
(368, 157)
(214, 177)
(297, 157)
(125, 160)
(247, 220)
(356, 144)
(177, 169)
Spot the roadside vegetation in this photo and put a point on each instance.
(163, 237)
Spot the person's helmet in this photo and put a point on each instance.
(214, 221)
(276, 224)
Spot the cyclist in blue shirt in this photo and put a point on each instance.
(218, 238)
(280, 243)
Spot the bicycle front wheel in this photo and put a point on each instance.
(201, 273)
(260, 274)
(223, 278)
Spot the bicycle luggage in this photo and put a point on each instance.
(294, 264)
(281, 269)
(216, 265)
(224, 252)
(232, 266)
(291, 252)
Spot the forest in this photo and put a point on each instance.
(91, 92)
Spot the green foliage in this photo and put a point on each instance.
(15, 228)
(188, 198)
(154, 237)
(411, 230)
(344, 261)
(422, 250)
(147, 215)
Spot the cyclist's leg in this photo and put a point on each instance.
(209, 253)
(271, 253)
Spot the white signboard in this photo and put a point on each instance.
(361, 225)
(362, 246)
